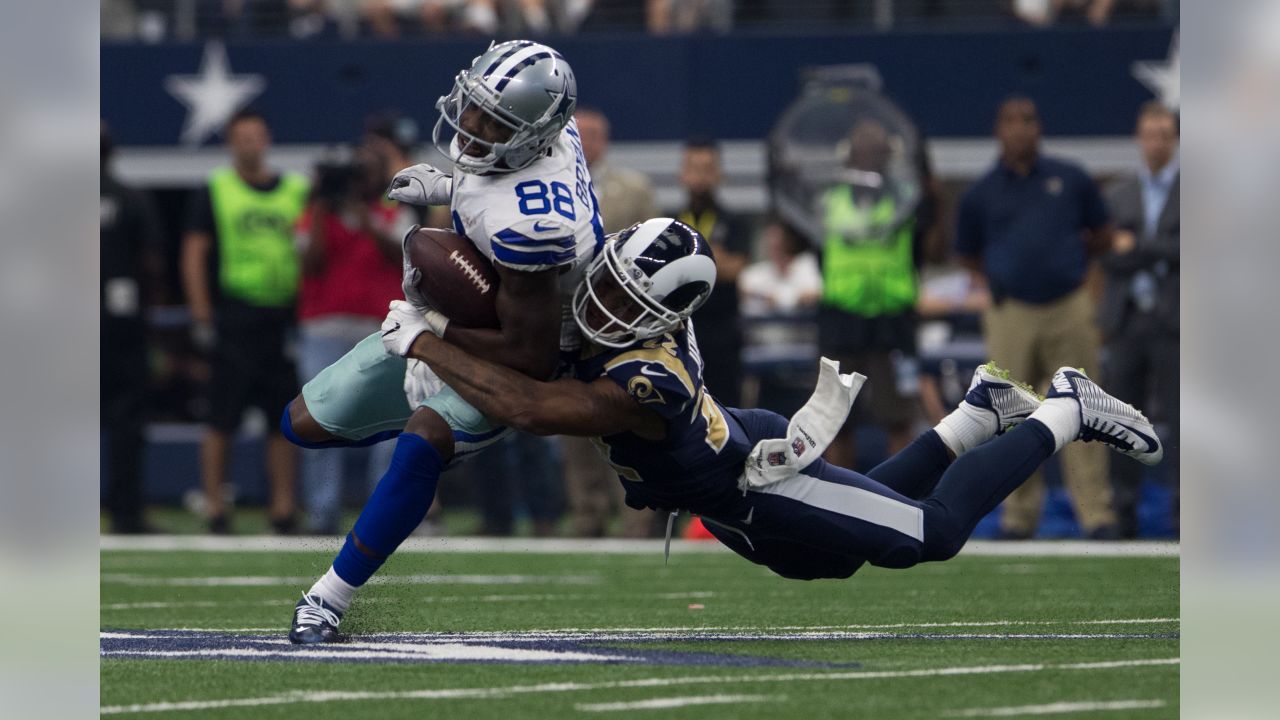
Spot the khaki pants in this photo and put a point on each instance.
(594, 490)
(1031, 342)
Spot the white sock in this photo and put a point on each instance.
(966, 428)
(335, 591)
(1062, 416)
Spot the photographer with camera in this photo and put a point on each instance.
(349, 246)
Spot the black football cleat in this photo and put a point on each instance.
(314, 621)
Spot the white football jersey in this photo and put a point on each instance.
(544, 216)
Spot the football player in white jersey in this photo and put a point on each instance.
(522, 194)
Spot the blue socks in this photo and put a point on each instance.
(397, 506)
(980, 480)
(915, 470)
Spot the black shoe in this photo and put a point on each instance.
(314, 621)
(133, 526)
(1104, 532)
(220, 525)
(287, 525)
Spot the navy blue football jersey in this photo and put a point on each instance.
(696, 465)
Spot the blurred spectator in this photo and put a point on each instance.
(788, 279)
(779, 295)
(716, 324)
(949, 336)
(118, 19)
(626, 198)
(391, 137)
(350, 249)
(1139, 312)
(131, 264)
(241, 272)
(625, 195)
(311, 19)
(1028, 229)
(388, 18)
(869, 267)
(665, 17)
(520, 474)
(1097, 13)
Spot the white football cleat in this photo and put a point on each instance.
(1009, 400)
(1106, 419)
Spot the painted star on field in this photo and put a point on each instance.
(213, 95)
(1162, 77)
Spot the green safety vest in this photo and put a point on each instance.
(257, 261)
(871, 275)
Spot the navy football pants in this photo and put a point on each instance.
(917, 506)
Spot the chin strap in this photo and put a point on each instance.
(810, 432)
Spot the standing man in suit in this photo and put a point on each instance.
(1139, 313)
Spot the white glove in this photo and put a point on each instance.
(410, 276)
(404, 324)
(421, 185)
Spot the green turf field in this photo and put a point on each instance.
(543, 634)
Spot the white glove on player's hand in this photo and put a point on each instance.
(410, 276)
(421, 185)
(404, 324)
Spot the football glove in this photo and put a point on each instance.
(404, 324)
(421, 185)
(411, 276)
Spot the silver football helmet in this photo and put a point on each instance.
(647, 280)
(523, 85)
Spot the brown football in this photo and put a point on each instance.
(456, 279)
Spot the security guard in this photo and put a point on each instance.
(241, 273)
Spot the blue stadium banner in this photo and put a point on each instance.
(1087, 82)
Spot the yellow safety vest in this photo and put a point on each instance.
(257, 261)
(872, 275)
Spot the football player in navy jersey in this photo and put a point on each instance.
(755, 478)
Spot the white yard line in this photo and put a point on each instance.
(1062, 708)
(664, 632)
(608, 546)
(512, 690)
(676, 702)
(527, 597)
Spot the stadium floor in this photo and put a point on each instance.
(193, 627)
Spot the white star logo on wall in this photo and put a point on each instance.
(1162, 77)
(213, 95)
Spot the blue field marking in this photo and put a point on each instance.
(412, 648)
(527, 647)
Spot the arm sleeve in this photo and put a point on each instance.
(200, 212)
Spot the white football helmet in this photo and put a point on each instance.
(525, 86)
(647, 280)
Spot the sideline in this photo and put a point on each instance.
(607, 546)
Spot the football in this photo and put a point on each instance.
(456, 279)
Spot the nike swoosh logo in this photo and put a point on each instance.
(538, 227)
(644, 370)
(1150, 441)
(388, 332)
